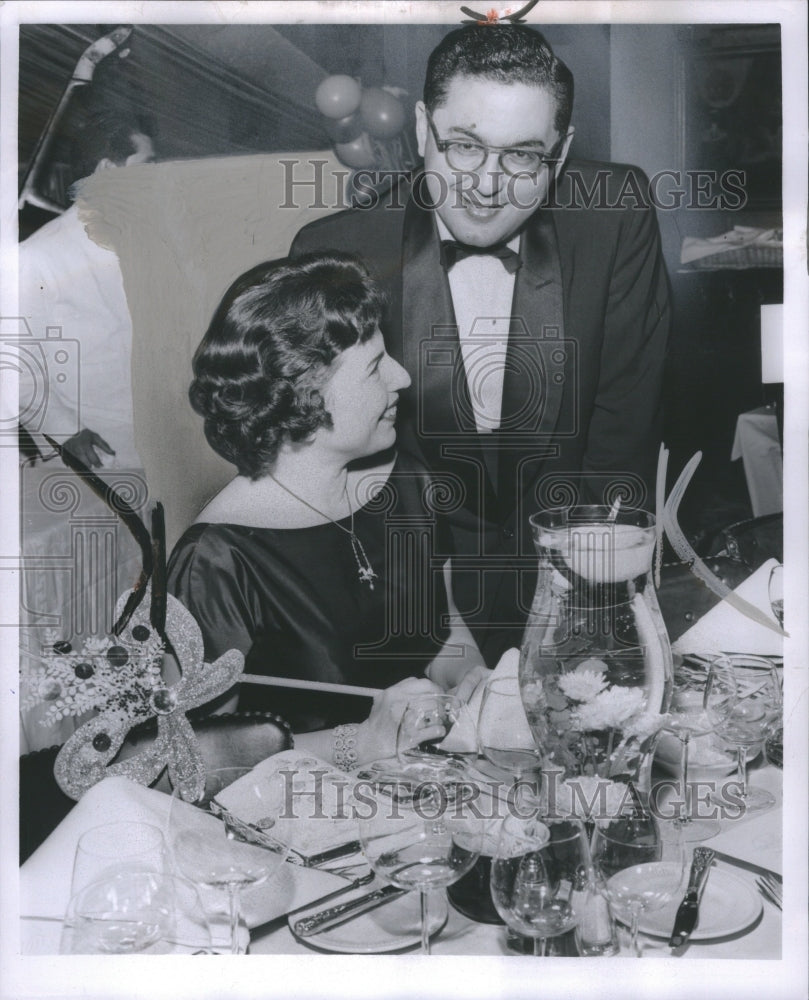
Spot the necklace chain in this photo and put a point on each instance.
(366, 570)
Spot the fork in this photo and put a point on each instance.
(771, 890)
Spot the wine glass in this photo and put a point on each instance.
(754, 716)
(211, 848)
(504, 736)
(701, 700)
(533, 874)
(775, 589)
(136, 913)
(641, 872)
(426, 722)
(116, 848)
(414, 842)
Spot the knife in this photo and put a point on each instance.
(251, 833)
(748, 866)
(345, 911)
(688, 912)
(340, 851)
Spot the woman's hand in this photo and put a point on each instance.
(376, 737)
(470, 681)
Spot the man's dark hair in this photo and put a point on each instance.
(104, 135)
(505, 53)
(260, 368)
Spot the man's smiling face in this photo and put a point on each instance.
(487, 206)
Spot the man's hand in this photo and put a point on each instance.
(83, 447)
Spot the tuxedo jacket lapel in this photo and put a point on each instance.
(442, 412)
(535, 375)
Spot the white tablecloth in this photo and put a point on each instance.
(756, 444)
(755, 838)
(45, 882)
(46, 876)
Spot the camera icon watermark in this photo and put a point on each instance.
(49, 378)
(527, 370)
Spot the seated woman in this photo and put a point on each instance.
(323, 559)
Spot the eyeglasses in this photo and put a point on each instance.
(465, 154)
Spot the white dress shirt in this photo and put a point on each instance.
(482, 293)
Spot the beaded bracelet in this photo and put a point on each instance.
(345, 746)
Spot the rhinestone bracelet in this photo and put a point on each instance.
(345, 746)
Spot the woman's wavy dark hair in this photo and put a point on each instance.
(259, 369)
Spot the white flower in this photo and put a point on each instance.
(610, 709)
(582, 685)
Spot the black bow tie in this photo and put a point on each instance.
(452, 252)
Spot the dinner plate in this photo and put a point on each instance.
(389, 927)
(728, 906)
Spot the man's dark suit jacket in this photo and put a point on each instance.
(581, 400)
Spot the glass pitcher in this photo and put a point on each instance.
(595, 662)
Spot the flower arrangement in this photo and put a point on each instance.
(589, 725)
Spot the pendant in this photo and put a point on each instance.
(366, 570)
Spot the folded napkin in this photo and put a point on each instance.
(463, 736)
(311, 802)
(725, 630)
(45, 878)
(740, 237)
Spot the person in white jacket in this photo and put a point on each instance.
(71, 291)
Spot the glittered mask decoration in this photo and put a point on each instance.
(86, 757)
(149, 622)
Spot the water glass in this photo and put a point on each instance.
(756, 715)
(212, 848)
(533, 875)
(136, 913)
(640, 871)
(117, 848)
(419, 844)
(504, 736)
(426, 722)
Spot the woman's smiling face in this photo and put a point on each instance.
(361, 395)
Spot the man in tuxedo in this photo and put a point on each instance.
(528, 301)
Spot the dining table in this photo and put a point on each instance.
(744, 841)
(46, 876)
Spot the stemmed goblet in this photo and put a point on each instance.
(212, 851)
(413, 841)
(641, 872)
(701, 700)
(504, 736)
(755, 714)
(136, 912)
(425, 724)
(533, 874)
(116, 849)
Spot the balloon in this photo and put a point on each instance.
(382, 114)
(358, 153)
(344, 129)
(338, 96)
